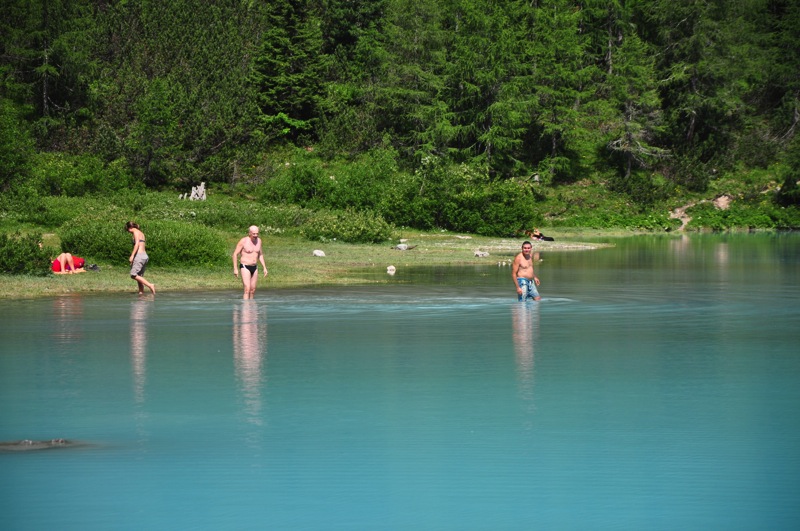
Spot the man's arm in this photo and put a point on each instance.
(514, 270)
(235, 255)
(261, 258)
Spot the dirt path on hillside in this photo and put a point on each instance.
(722, 202)
(680, 213)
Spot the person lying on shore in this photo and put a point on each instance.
(536, 235)
(66, 263)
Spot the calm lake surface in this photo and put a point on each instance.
(655, 386)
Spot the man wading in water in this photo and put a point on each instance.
(525, 279)
(250, 249)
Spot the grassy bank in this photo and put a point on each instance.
(291, 264)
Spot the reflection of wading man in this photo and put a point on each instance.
(249, 349)
(249, 248)
(525, 279)
(525, 320)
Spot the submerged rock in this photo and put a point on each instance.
(27, 445)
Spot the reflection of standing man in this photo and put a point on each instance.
(525, 279)
(249, 348)
(251, 253)
(525, 320)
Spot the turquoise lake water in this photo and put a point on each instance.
(655, 386)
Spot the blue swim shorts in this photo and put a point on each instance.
(529, 290)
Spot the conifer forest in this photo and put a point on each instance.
(646, 99)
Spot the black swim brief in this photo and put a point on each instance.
(252, 268)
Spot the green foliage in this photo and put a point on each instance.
(169, 243)
(491, 209)
(508, 207)
(16, 146)
(347, 226)
(79, 175)
(224, 212)
(789, 194)
(172, 95)
(169, 95)
(100, 238)
(357, 184)
(296, 183)
(756, 213)
(640, 187)
(690, 173)
(287, 69)
(55, 211)
(638, 113)
(459, 198)
(23, 255)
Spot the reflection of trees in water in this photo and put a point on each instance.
(249, 349)
(140, 312)
(68, 319)
(525, 320)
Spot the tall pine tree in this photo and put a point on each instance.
(288, 70)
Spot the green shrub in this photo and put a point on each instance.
(22, 255)
(226, 213)
(359, 184)
(690, 173)
(436, 195)
(169, 243)
(785, 217)
(297, 183)
(739, 215)
(500, 208)
(78, 175)
(402, 204)
(53, 212)
(173, 243)
(640, 187)
(347, 226)
(464, 199)
(239, 214)
(16, 145)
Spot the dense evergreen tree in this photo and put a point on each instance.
(562, 84)
(47, 58)
(632, 88)
(409, 93)
(287, 71)
(780, 98)
(173, 96)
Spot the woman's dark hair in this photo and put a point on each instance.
(131, 225)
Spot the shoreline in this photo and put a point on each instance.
(290, 263)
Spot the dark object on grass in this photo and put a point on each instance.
(538, 236)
